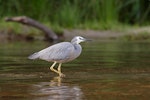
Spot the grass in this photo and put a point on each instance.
(18, 28)
(132, 33)
(79, 14)
(74, 13)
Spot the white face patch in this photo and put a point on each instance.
(77, 40)
(80, 39)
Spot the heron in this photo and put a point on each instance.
(60, 53)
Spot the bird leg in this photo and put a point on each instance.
(59, 70)
(52, 68)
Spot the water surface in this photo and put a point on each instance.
(106, 70)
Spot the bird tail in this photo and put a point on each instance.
(34, 56)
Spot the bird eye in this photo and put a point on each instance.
(80, 38)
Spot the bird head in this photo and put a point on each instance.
(78, 39)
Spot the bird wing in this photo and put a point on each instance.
(58, 52)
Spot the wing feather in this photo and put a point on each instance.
(60, 52)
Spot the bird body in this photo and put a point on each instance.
(60, 52)
(52, 53)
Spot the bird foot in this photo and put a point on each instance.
(61, 75)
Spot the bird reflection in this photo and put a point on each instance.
(56, 89)
(56, 81)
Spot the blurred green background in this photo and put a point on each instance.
(100, 14)
(119, 16)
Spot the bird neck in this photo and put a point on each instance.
(77, 49)
(75, 42)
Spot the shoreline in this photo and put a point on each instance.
(134, 33)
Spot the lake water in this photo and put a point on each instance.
(106, 70)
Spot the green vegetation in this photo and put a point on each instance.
(95, 14)
(115, 15)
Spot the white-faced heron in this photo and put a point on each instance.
(60, 53)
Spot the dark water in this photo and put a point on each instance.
(108, 70)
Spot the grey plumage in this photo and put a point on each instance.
(60, 52)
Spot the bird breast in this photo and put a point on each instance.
(77, 51)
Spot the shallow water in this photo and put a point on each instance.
(106, 70)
